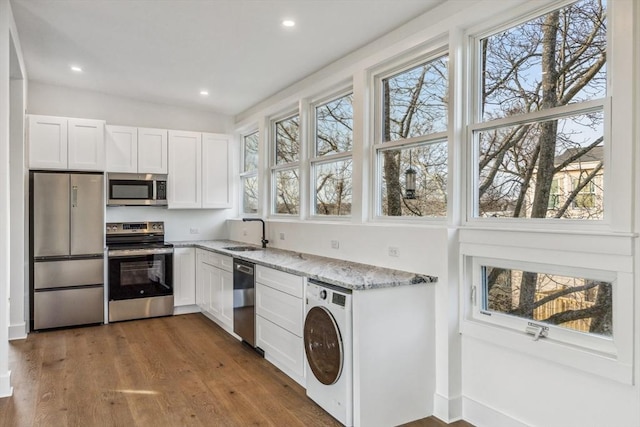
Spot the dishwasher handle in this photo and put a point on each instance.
(244, 269)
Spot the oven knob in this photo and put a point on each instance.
(155, 226)
(141, 292)
(323, 294)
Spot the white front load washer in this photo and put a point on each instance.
(328, 348)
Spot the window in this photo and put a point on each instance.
(553, 299)
(285, 171)
(411, 152)
(249, 174)
(569, 305)
(331, 164)
(540, 117)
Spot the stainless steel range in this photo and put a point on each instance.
(140, 271)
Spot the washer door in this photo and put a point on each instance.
(323, 345)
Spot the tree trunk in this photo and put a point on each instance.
(391, 164)
(602, 322)
(548, 129)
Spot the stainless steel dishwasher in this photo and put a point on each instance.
(244, 291)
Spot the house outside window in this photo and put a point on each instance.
(331, 162)
(249, 174)
(540, 113)
(286, 166)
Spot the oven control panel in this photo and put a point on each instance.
(156, 227)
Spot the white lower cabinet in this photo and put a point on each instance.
(281, 347)
(279, 320)
(184, 280)
(214, 287)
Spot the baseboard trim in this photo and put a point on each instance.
(5, 385)
(18, 331)
(186, 309)
(481, 415)
(447, 409)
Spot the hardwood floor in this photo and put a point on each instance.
(170, 371)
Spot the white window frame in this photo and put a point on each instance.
(476, 126)
(283, 167)
(379, 146)
(244, 174)
(315, 160)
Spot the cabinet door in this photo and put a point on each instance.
(203, 277)
(185, 173)
(86, 145)
(184, 276)
(226, 310)
(215, 292)
(216, 153)
(122, 149)
(47, 142)
(152, 151)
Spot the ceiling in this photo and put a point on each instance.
(167, 51)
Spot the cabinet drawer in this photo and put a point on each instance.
(285, 282)
(280, 345)
(220, 261)
(68, 307)
(282, 309)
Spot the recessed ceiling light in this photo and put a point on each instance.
(76, 69)
(204, 92)
(288, 23)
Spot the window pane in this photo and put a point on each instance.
(287, 192)
(333, 188)
(571, 302)
(251, 152)
(518, 166)
(334, 126)
(553, 60)
(429, 162)
(415, 102)
(287, 140)
(250, 194)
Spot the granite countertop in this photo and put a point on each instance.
(346, 274)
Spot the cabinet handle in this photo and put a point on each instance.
(74, 196)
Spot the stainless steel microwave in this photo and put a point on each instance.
(132, 189)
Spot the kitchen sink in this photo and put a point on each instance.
(242, 248)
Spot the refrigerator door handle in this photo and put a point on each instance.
(74, 196)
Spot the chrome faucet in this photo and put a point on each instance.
(264, 238)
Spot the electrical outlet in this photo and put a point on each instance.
(281, 236)
(335, 244)
(194, 231)
(393, 251)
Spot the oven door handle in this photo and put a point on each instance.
(122, 253)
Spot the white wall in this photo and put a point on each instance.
(487, 384)
(11, 97)
(67, 102)
(210, 223)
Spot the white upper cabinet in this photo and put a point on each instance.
(216, 190)
(198, 170)
(152, 151)
(122, 149)
(67, 144)
(136, 150)
(185, 170)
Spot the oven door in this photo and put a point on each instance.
(140, 273)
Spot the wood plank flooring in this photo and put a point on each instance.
(170, 371)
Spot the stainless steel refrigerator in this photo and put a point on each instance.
(67, 249)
